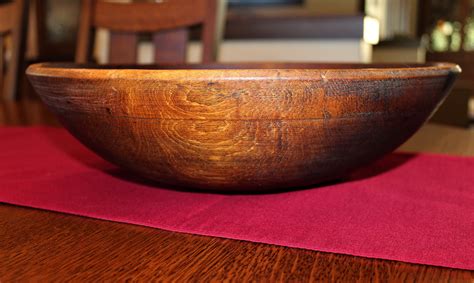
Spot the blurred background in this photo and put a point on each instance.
(362, 31)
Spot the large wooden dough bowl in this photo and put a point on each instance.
(247, 127)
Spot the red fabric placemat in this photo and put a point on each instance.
(412, 208)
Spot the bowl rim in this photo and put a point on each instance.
(243, 71)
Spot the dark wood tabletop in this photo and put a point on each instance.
(40, 245)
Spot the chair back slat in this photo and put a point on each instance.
(7, 11)
(170, 46)
(85, 36)
(123, 47)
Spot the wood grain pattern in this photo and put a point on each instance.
(243, 129)
(47, 246)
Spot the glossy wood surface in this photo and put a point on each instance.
(45, 246)
(243, 129)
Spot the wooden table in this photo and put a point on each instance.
(43, 246)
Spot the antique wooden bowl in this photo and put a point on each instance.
(248, 127)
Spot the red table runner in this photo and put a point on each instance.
(406, 207)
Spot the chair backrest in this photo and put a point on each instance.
(168, 22)
(12, 23)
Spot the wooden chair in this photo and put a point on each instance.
(12, 27)
(13, 17)
(168, 22)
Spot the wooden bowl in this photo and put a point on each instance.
(248, 127)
